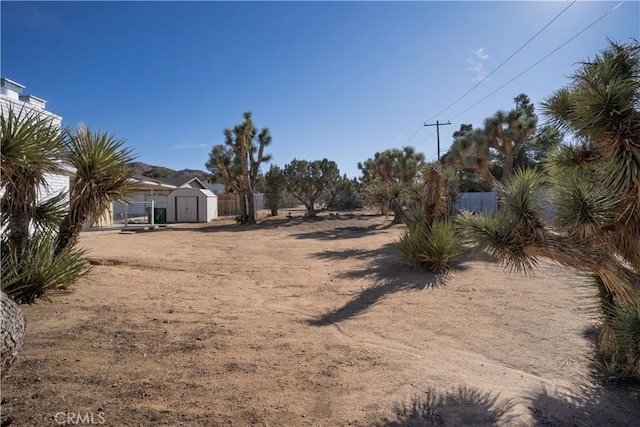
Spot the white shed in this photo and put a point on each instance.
(192, 202)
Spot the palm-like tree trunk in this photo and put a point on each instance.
(12, 330)
(69, 232)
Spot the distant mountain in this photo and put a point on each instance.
(162, 172)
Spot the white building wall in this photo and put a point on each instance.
(55, 184)
(11, 97)
(212, 208)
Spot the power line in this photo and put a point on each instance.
(427, 138)
(539, 61)
(503, 62)
(414, 134)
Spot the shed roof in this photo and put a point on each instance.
(204, 191)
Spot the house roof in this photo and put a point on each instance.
(142, 182)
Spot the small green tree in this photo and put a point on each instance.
(344, 194)
(307, 181)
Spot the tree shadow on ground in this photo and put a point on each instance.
(383, 268)
(351, 232)
(605, 405)
(462, 407)
(273, 223)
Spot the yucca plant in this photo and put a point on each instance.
(102, 177)
(430, 240)
(32, 146)
(38, 271)
(434, 248)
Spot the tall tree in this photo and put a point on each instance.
(237, 162)
(102, 177)
(307, 181)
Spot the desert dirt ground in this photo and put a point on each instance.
(295, 322)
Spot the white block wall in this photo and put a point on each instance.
(55, 184)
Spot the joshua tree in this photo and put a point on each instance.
(387, 175)
(430, 241)
(101, 177)
(238, 161)
(505, 132)
(594, 186)
(392, 166)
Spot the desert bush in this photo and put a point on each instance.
(286, 200)
(433, 247)
(27, 277)
(620, 341)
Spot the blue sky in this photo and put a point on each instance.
(339, 80)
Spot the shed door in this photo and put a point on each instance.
(187, 209)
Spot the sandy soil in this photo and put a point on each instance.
(295, 322)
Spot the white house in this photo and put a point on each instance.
(192, 202)
(11, 97)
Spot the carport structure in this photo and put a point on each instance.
(147, 189)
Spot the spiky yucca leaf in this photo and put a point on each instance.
(31, 148)
(442, 247)
(522, 201)
(494, 235)
(582, 207)
(31, 141)
(434, 247)
(38, 271)
(49, 213)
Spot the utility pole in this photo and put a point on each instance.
(437, 124)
